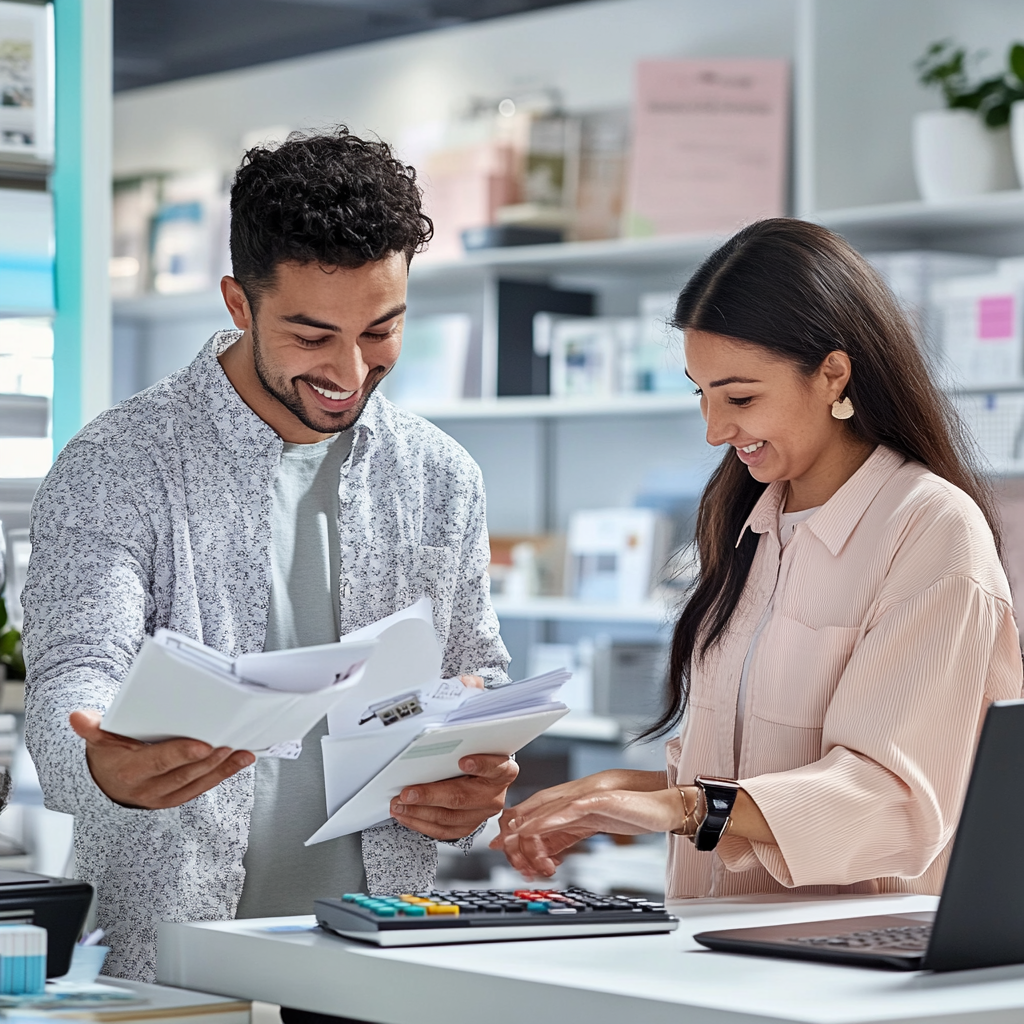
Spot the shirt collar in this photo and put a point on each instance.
(234, 420)
(833, 523)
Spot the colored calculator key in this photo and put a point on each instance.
(488, 915)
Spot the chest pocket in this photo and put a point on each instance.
(406, 572)
(796, 669)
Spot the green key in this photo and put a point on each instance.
(411, 910)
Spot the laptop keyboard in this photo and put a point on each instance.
(911, 938)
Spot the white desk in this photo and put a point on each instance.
(621, 980)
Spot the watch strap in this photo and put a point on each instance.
(719, 799)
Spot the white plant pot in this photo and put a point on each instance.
(1017, 138)
(956, 155)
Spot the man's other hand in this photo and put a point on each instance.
(152, 776)
(456, 807)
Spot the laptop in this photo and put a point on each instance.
(980, 918)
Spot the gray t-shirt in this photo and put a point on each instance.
(283, 877)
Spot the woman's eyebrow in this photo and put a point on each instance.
(726, 380)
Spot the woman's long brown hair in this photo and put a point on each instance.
(801, 292)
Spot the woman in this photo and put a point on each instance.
(851, 620)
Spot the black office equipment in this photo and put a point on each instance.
(489, 915)
(500, 236)
(980, 919)
(520, 370)
(57, 904)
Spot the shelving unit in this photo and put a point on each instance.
(543, 458)
(566, 609)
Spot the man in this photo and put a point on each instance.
(264, 497)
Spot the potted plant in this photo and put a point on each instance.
(1016, 61)
(964, 150)
(12, 661)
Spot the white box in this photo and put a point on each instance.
(912, 274)
(616, 555)
(981, 322)
(587, 353)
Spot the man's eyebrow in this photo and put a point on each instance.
(389, 315)
(308, 321)
(322, 325)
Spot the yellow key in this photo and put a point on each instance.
(438, 908)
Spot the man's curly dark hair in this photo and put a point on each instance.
(326, 197)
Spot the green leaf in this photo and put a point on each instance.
(1016, 61)
(9, 643)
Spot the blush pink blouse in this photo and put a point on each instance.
(890, 632)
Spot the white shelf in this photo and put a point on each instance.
(996, 211)
(186, 306)
(1001, 210)
(579, 726)
(660, 253)
(567, 609)
(544, 407)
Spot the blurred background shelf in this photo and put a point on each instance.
(567, 609)
(548, 407)
(579, 726)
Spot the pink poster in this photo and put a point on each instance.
(710, 140)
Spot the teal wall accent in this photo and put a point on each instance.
(66, 184)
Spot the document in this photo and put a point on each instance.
(392, 719)
(383, 737)
(262, 702)
(429, 731)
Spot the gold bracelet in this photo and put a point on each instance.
(690, 814)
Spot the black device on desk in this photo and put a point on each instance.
(980, 919)
(489, 915)
(57, 904)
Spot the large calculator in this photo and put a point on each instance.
(488, 915)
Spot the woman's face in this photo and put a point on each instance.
(778, 420)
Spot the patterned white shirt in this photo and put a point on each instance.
(158, 514)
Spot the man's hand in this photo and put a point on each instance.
(456, 807)
(152, 776)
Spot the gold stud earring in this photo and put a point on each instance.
(842, 410)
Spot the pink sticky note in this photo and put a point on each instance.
(995, 317)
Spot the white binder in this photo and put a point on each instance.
(432, 755)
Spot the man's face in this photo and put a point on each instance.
(323, 339)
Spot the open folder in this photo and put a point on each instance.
(392, 720)
(382, 738)
(262, 702)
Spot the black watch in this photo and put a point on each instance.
(719, 797)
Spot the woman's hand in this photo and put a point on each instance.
(535, 834)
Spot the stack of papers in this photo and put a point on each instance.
(264, 703)
(392, 720)
(381, 740)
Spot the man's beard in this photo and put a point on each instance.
(287, 393)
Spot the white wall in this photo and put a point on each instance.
(586, 50)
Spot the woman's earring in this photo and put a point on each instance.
(842, 410)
